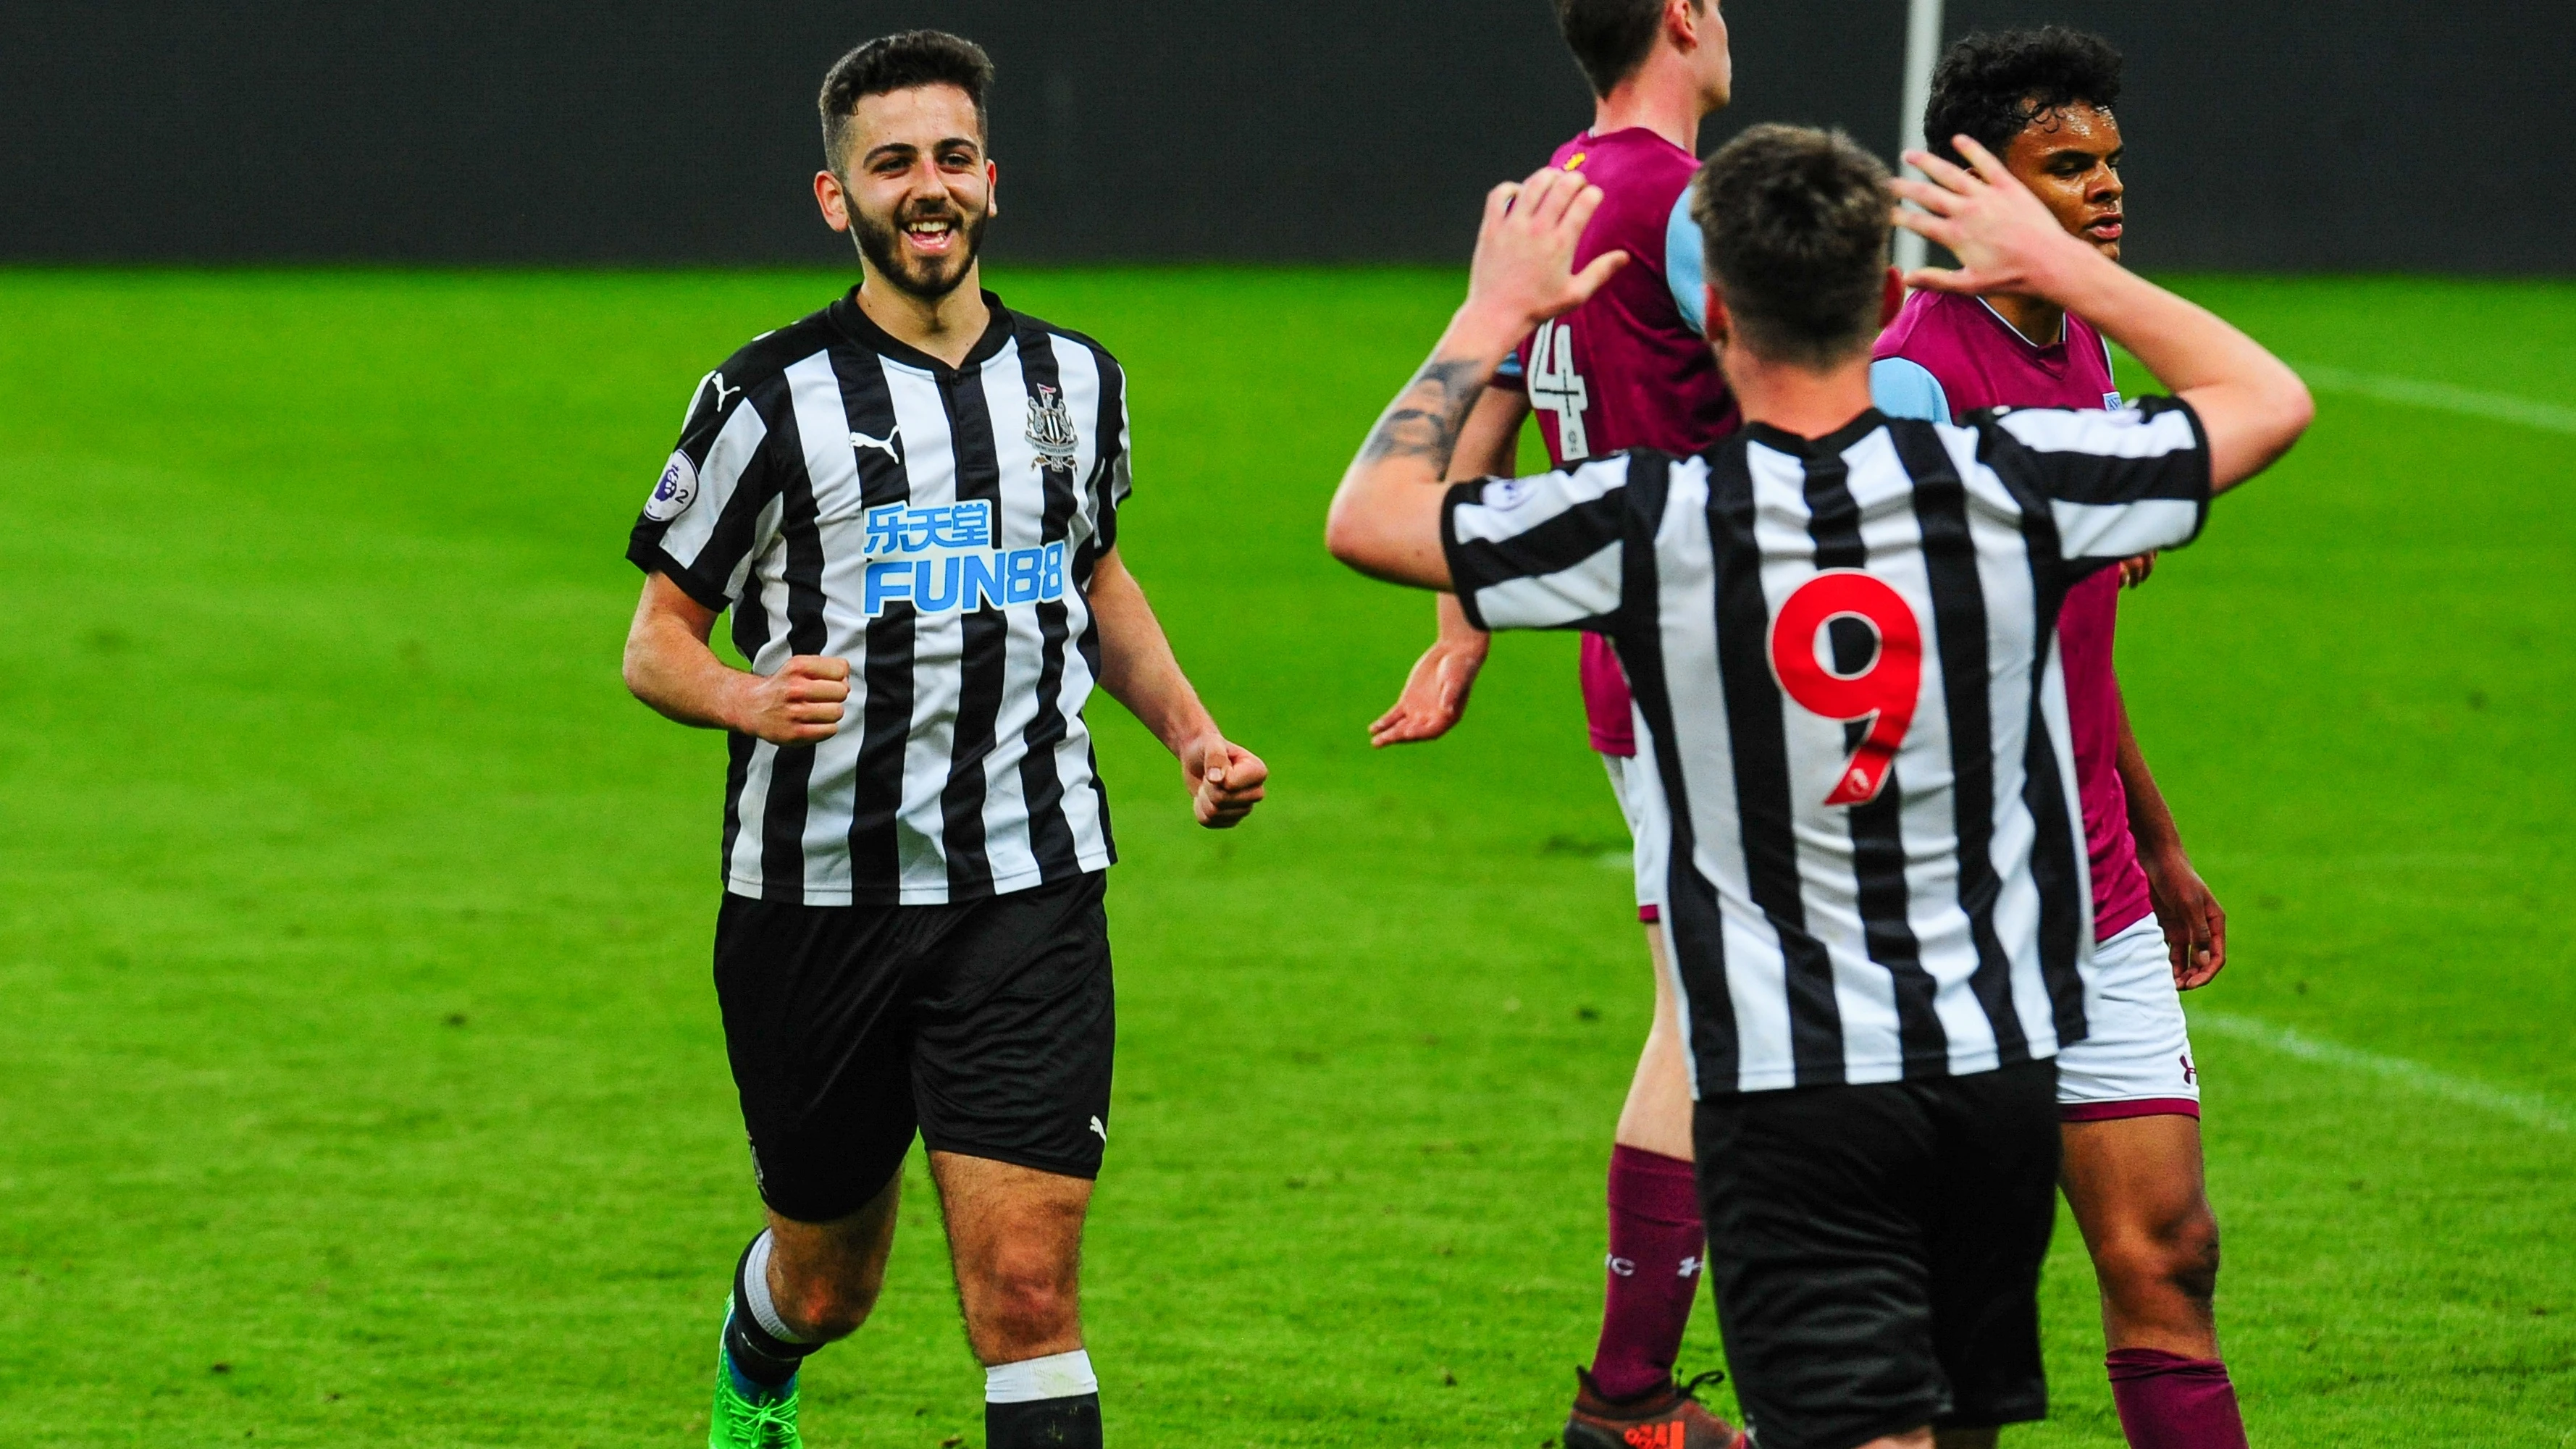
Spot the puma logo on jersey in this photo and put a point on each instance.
(721, 392)
(1102, 1129)
(885, 445)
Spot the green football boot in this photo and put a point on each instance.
(740, 1423)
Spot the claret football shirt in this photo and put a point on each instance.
(1626, 369)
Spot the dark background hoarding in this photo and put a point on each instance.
(2367, 135)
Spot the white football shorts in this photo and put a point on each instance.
(2136, 1059)
(1641, 800)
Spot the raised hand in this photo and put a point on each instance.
(1384, 521)
(1524, 265)
(2004, 237)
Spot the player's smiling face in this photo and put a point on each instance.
(2071, 158)
(919, 188)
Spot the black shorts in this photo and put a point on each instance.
(986, 1025)
(1876, 1249)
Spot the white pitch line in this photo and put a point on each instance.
(2529, 1108)
(2414, 392)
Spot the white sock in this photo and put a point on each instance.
(1056, 1376)
(755, 1293)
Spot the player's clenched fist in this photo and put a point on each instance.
(1226, 781)
(800, 704)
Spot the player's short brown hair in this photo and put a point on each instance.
(1611, 38)
(898, 63)
(1796, 223)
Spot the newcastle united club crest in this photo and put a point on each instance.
(1051, 429)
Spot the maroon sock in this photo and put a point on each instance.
(1656, 1245)
(2168, 1401)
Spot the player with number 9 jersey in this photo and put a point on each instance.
(1839, 630)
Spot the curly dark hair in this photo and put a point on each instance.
(1795, 222)
(1990, 86)
(899, 63)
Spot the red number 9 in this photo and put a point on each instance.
(1883, 692)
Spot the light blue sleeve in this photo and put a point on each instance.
(1510, 366)
(1684, 270)
(1903, 389)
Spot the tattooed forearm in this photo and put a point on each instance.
(1426, 417)
(1385, 518)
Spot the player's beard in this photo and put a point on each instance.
(928, 278)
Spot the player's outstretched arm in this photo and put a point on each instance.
(2195, 925)
(2252, 406)
(670, 667)
(1385, 519)
(1138, 669)
(1435, 694)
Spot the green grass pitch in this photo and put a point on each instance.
(360, 1079)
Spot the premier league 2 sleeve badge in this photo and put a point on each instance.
(677, 490)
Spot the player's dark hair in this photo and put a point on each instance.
(1795, 221)
(1989, 86)
(1610, 38)
(899, 63)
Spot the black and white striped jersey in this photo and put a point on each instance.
(844, 494)
(1845, 653)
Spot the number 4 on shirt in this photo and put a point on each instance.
(1881, 692)
(1557, 387)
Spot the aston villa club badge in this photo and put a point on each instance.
(1051, 429)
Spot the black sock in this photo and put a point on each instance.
(1069, 1423)
(757, 1354)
